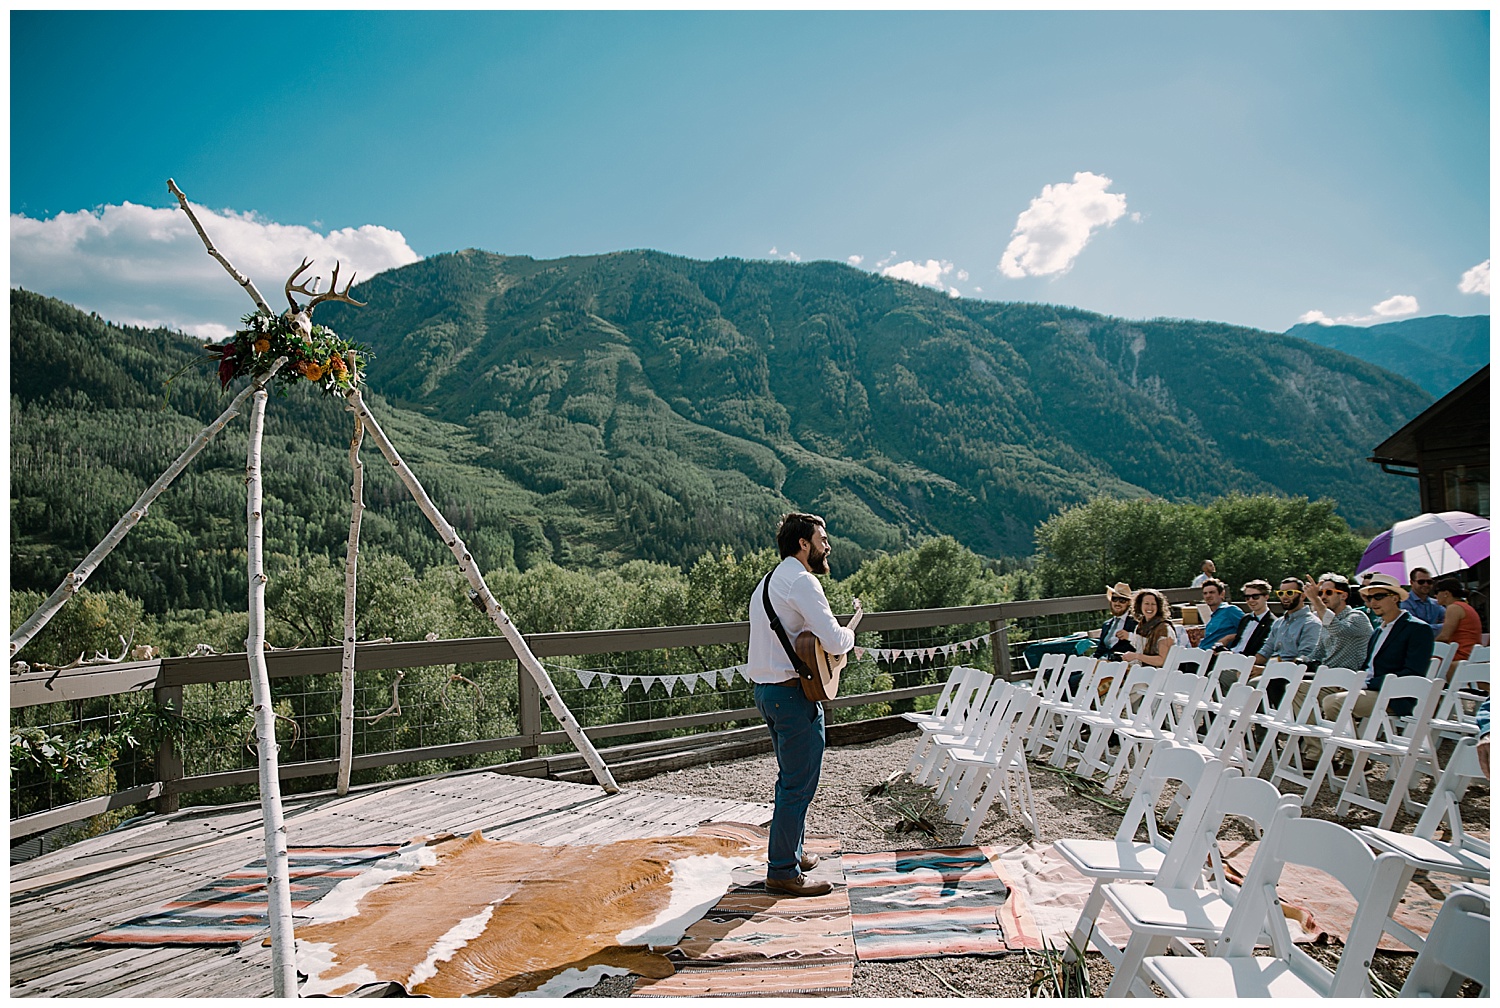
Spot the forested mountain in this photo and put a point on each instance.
(596, 409)
(1437, 352)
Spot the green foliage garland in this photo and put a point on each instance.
(318, 357)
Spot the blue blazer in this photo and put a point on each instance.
(1407, 651)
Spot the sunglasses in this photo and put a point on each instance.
(1328, 592)
(1288, 592)
(1251, 595)
(1377, 596)
(1423, 581)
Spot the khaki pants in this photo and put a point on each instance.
(1331, 701)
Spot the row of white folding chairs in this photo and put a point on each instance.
(1134, 706)
(1403, 743)
(972, 750)
(1191, 898)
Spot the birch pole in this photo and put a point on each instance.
(74, 581)
(278, 884)
(351, 569)
(239, 277)
(492, 607)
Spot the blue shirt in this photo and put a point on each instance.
(1426, 610)
(1224, 621)
(1293, 635)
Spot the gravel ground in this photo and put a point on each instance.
(863, 824)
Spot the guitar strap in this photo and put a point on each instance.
(798, 665)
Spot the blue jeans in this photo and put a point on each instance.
(796, 725)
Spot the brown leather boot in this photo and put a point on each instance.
(799, 886)
(809, 862)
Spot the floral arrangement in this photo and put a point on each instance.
(318, 357)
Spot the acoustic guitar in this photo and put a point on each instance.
(821, 681)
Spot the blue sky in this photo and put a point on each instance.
(1255, 168)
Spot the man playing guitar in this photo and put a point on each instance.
(796, 723)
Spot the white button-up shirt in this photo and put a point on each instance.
(797, 596)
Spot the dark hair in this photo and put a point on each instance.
(1162, 609)
(796, 527)
(1413, 572)
(1264, 586)
(1300, 582)
(1453, 586)
(1223, 588)
(1339, 581)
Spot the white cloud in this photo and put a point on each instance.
(788, 256)
(1392, 307)
(882, 263)
(1053, 230)
(1476, 280)
(1395, 307)
(963, 275)
(146, 266)
(928, 274)
(855, 260)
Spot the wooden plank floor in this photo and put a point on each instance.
(67, 895)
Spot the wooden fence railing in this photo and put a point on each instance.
(166, 677)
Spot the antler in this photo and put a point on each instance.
(332, 294)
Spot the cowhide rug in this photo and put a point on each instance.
(448, 916)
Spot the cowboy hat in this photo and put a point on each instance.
(1387, 582)
(1120, 589)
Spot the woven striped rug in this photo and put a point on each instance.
(918, 903)
(232, 910)
(754, 943)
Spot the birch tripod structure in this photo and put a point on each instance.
(299, 318)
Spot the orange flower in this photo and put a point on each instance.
(336, 364)
(262, 345)
(311, 370)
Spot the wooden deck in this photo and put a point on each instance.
(60, 898)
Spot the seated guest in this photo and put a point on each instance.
(1358, 602)
(1402, 647)
(1295, 633)
(1346, 630)
(1225, 621)
(1114, 636)
(1153, 636)
(1461, 622)
(1293, 636)
(1253, 627)
(1420, 602)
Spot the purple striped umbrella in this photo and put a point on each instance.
(1444, 543)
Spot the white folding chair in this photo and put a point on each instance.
(1234, 971)
(936, 740)
(1177, 907)
(971, 690)
(1463, 854)
(1172, 712)
(1442, 659)
(1124, 857)
(1397, 741)
(998, 771)
(1309, 725)
(1287, 675)
(1457, 949)
(1226, 661)
(1065, 722)
(1226, 738)
(1452, 719)
(1480, 652)
(1059, 696)
(1128, 694)
(957, 676)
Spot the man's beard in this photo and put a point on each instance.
(818, 562)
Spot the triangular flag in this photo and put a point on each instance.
(647, 681)
(586, 678)
(859, 652)
(669, 681)
(690, 682)
(626, 681)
